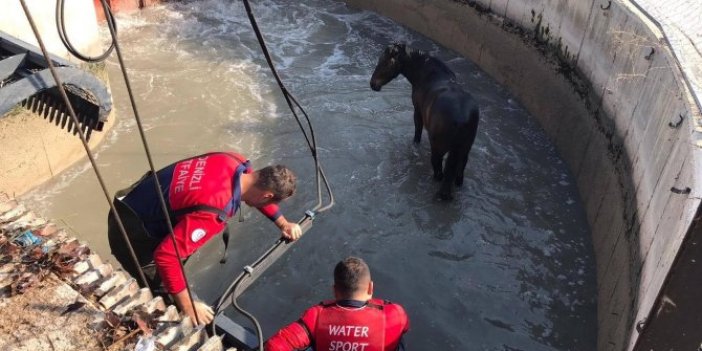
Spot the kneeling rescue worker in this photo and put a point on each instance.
(353, 322)
(201, 194)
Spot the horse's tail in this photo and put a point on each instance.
(462, 140)
(463, 132)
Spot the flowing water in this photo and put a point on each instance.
(507, 266)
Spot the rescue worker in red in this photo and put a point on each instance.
(354, 321)
(201, 194)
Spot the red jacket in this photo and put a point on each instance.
(339, 325)
(206, 180)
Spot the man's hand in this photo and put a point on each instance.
(204, 313)
(291, 231)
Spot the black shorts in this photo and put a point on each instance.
(142, 244)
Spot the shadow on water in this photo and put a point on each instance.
(507, 266)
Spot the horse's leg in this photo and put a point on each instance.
(463, 158)
(461, 169)
(469, 139)
(418, 125)
(437, 158)
(452, 163)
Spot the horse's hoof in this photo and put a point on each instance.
(444, 196)
(459, 182)
(416, 140)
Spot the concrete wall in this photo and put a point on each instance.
(81, 25)
(122, 6)
(32, 150)
(585, 70)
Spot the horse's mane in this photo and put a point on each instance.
(416, 54)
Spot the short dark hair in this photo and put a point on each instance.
(277, 179)
(349, 274)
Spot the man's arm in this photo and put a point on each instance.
(291, 338)
(396, 323)
(191, 232)
(295, 336)
(271, 211)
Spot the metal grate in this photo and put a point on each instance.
(25, 81)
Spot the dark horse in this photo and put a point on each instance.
(449, 114)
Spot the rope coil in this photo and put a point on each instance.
(61, 29)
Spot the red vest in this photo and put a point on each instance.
(350, 329)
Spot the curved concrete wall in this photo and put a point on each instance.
(32, 150)
(609, 95)
(81, 25)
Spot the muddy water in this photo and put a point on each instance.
(507, 266)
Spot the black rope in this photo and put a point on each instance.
(319, 175)
(111, 24)
(63, 35)
(72, 113)
(157, 184)
(292, 102)
(232, 288)
(247, 314)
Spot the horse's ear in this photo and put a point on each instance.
(397, 47)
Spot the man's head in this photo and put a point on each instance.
(352, 280)
(272, 185)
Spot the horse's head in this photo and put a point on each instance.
(389, 65)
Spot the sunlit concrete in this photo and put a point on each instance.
(32, 150)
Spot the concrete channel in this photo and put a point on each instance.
(608, 90)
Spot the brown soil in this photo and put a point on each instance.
(34, 321)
